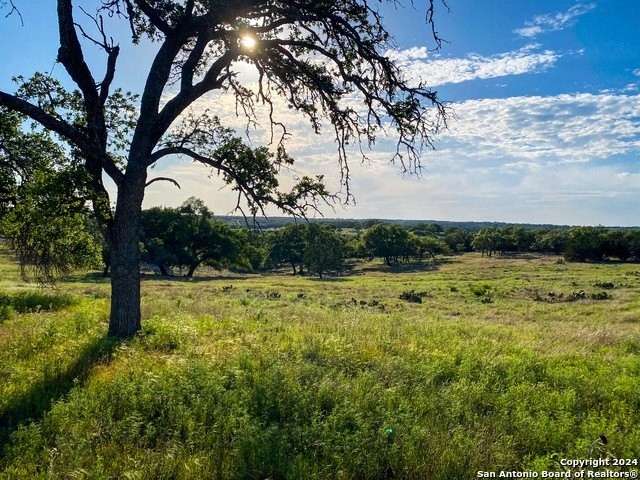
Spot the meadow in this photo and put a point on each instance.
(416, 372)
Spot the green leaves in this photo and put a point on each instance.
(43, 203)
(188, 236)
(49, 229)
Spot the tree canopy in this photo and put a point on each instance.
(188, 236)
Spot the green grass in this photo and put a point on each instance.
(286, 377)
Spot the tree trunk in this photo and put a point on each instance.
(164, 271)
(125, 315)
(192, 269)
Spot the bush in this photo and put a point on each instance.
(413, 296)
(482, 290)
(24, 302)
(6, 312)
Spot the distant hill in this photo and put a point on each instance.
(358, 223)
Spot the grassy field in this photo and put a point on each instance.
(496, 364)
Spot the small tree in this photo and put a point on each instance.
(553, 240)
(288, 245)
(188, 236)
(429, 246)
(459, 239)
(487, 240)
(324, 250)
(387, 241)
(617, 244)
(314, 55)
(586, 243)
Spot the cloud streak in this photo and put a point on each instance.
(438, 72)
(553, 22)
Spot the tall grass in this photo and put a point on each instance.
(336, 379)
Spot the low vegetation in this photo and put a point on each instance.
(385, 372)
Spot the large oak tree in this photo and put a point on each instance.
(314, 55)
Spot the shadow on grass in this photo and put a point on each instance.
(520, 256)
(404, 267)
(33, 404)
(150, 277)
(327, 279)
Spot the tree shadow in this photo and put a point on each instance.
(403, 267)
(32, 405)
(328, 279)
(518, 256)
(199, 279)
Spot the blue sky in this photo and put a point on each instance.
(546, 97)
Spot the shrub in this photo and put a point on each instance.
(413, 296)
(6, 312)
(35, 301)
(482, 290)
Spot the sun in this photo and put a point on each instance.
(248, 41)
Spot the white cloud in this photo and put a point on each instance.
(553, 22)
(556, 129)
(456, 70)
(413, 53)
(636, 72)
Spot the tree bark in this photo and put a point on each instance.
(125, 318)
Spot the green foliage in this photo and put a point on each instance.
(430, 246)
(553, 240)
(458, 239)
(317, 246)
(586, 243)
(43, 204)
(575, 243)
(6, 311)
(388, 241)
(188, 236)
(35, 301)
(288, 244)
(482, 289)
(324, 250)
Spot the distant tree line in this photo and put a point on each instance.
(178, 241)
(188, 237)
(575, 243)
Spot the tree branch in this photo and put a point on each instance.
(48, 121)
(165, 179)
(190, 93)
(71, 56)
(13, 10)
(154, 16)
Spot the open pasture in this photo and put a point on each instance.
(418, 371)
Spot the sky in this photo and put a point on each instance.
(546, 123)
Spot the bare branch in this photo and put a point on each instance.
(14, 10)
(71, 56)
